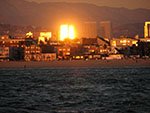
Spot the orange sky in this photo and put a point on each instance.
(132, 4)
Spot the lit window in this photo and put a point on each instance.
(77, 57)
(114, 43)
(67, 53)
(134, 42)
(92, 50)
(38, 51)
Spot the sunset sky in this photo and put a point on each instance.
(132, 4)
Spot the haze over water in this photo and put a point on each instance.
(88, 90)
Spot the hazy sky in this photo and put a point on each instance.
(132, 4)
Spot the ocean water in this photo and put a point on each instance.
(75, 90)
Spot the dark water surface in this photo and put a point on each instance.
(75, 90)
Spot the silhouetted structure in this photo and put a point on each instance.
(106, 29)
(90, 30)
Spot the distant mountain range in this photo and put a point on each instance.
(20, 12)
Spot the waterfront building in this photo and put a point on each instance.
(32, 53)
(5, 53)
(63, 53)
(89, 41)
(6, 41)
(145, 39)
(123, 42)
(95, 41)
(48, 56)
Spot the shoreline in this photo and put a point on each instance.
(77, 63)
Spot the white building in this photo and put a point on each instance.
(5, 53)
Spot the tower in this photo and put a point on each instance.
(106, 29)
(89, 30)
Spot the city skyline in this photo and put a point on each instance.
(74, 56)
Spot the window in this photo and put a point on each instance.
(114, 43)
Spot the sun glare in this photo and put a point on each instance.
(67, 31)
(71, 32)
